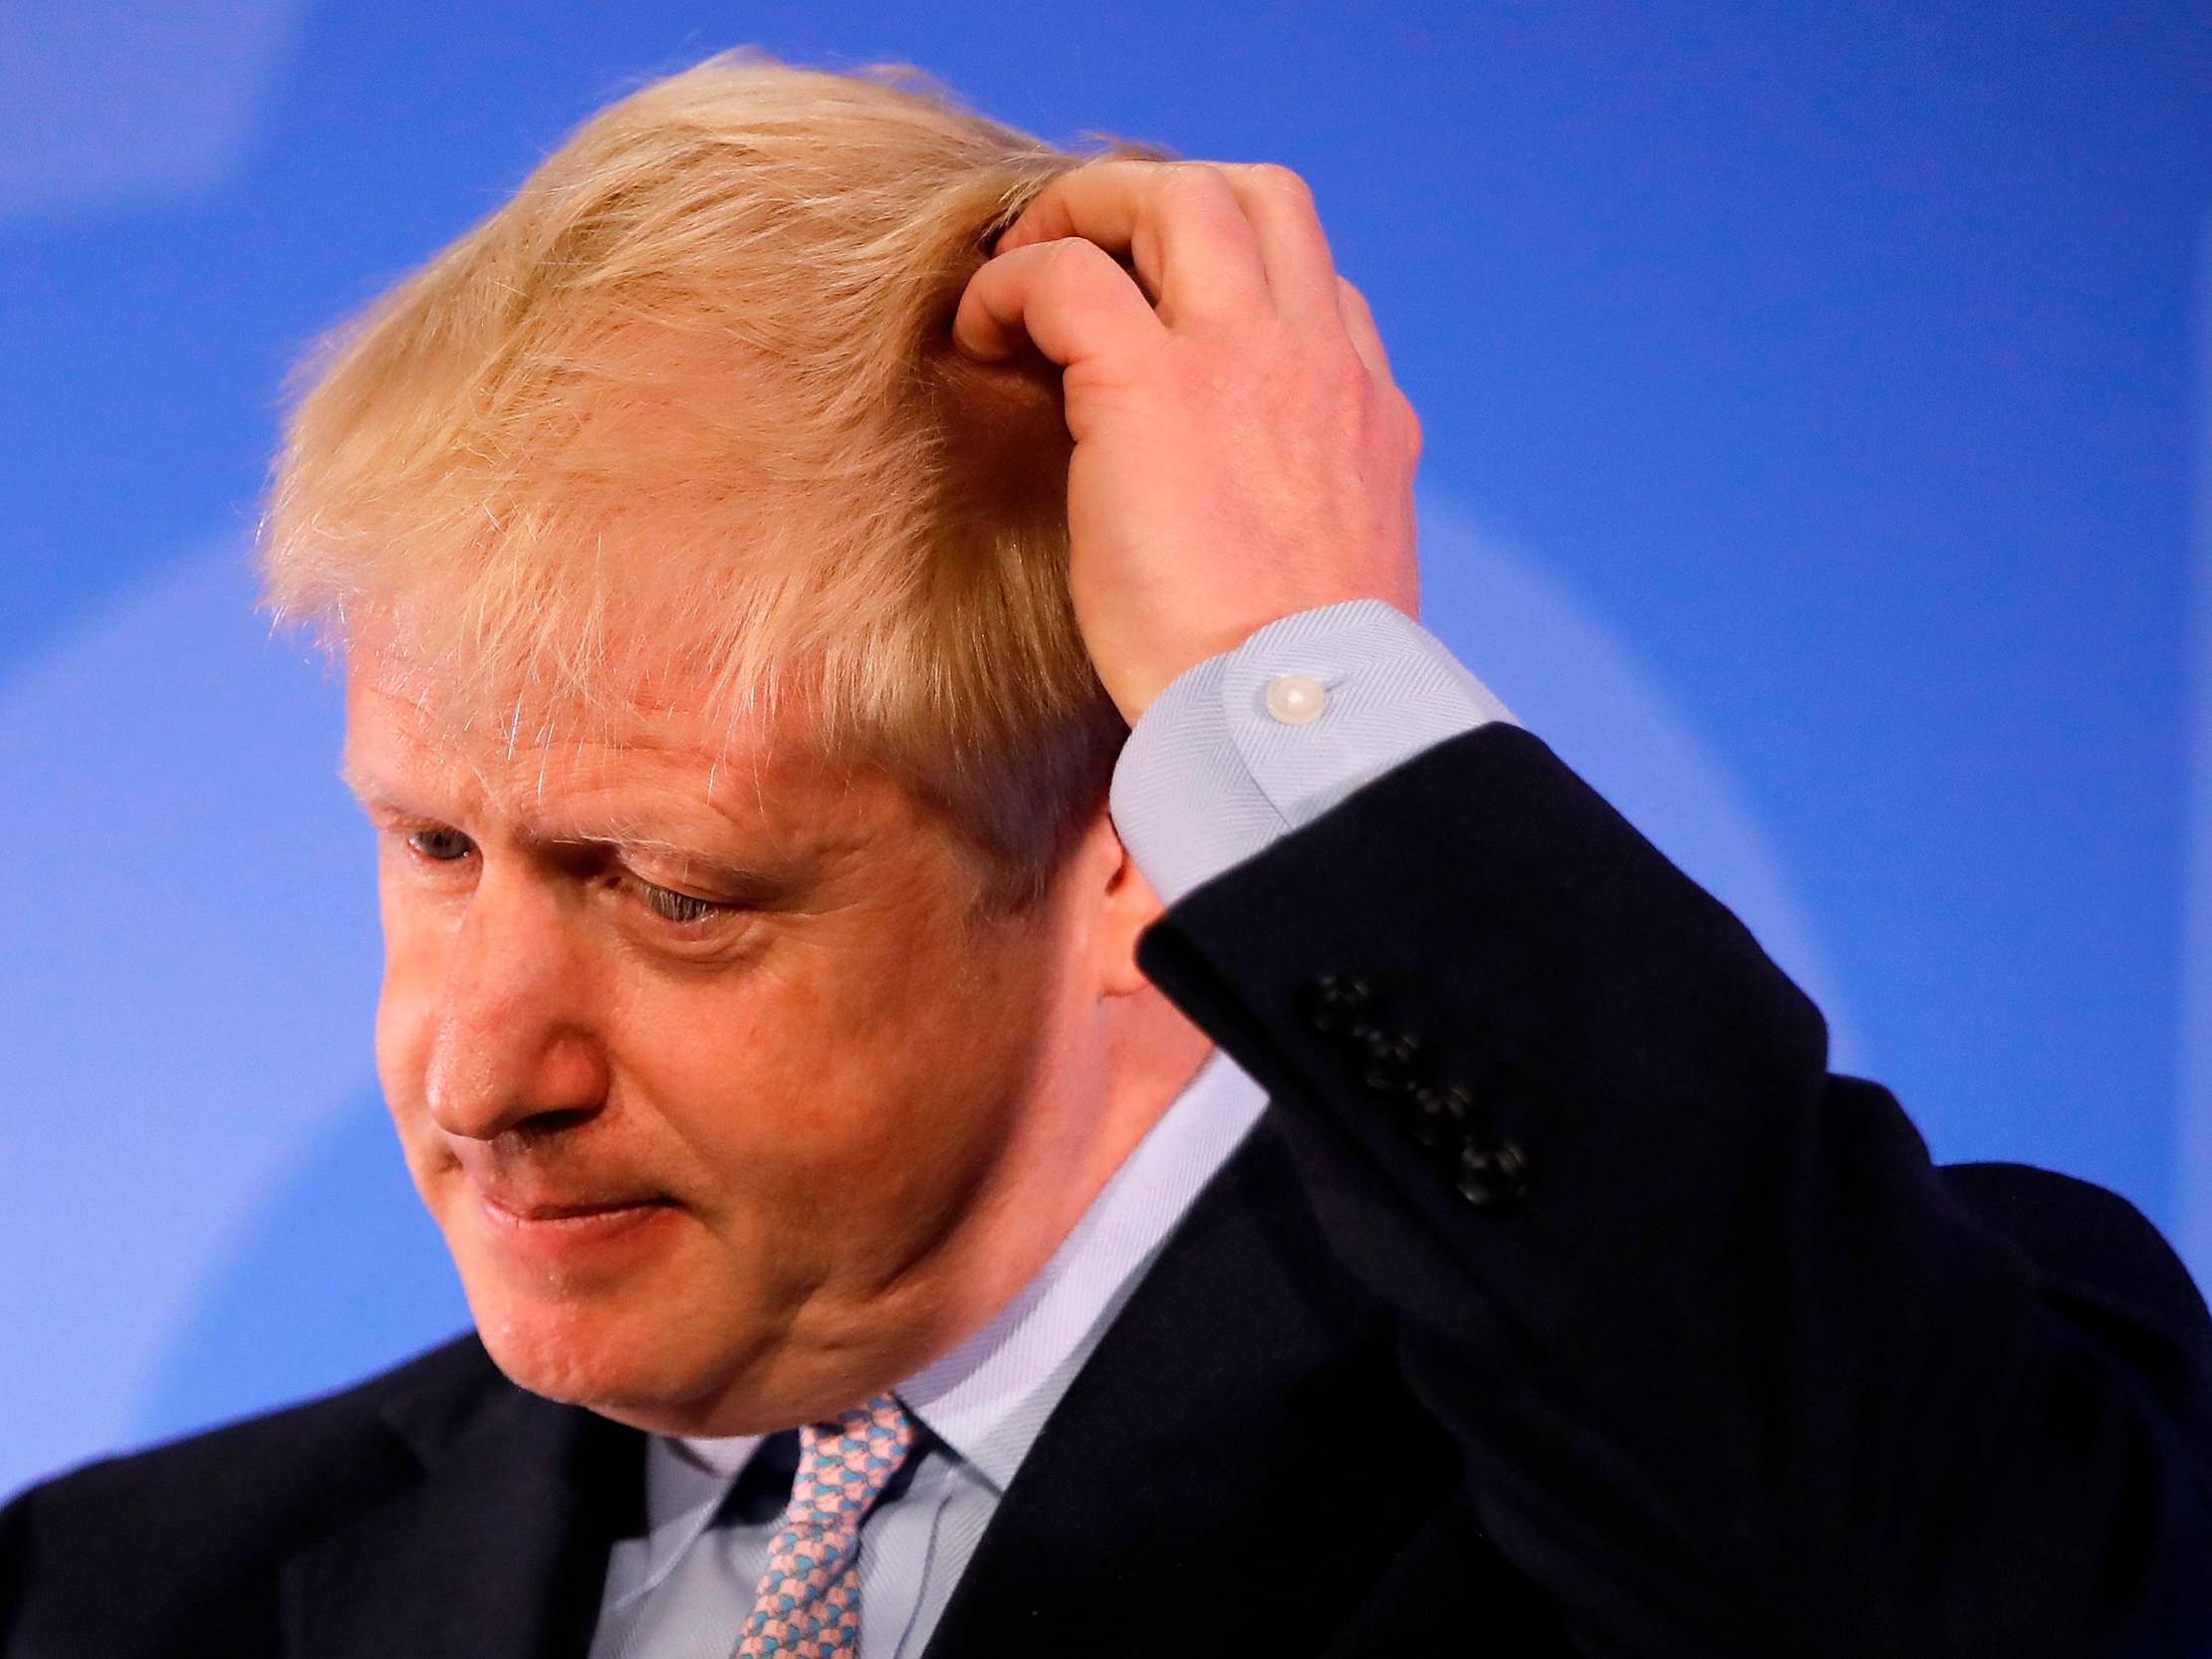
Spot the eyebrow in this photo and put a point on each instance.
(370, 790)
(363, 785)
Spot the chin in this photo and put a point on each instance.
(661, 1335)
(564, 1355)
(654, 1370)
(626, 1365)
(626, 1350)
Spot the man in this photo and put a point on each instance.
(887, 1228)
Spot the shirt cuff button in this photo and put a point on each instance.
(1296, 699)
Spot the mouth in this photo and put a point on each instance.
(518, 1210)
(567, 1225)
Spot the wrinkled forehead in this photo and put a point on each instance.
(651, 728)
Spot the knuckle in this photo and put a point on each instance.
(1277, 179)
(1071, 254)
(1408, 420)
(1196, 178)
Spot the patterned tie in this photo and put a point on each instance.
(807, 1605)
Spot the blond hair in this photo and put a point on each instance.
(691, 394)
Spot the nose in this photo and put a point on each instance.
(513, 1035)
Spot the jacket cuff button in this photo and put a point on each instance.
(1438, 1116)
(1331, 1003)
(1391, 1061)
(1492, 1173)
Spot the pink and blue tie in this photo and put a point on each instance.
(809, 1602)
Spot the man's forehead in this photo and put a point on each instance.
(537, 755)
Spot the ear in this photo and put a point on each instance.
(1122, 905)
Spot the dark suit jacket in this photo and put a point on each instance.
(1562, 1302)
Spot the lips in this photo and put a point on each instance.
(520, 1211)
(527, 1209)
(572, 1231)
(520, 1189)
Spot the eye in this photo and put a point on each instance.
(685, 909)
(440, 844)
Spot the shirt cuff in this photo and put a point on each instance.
(1211, 772)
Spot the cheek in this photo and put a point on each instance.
(872, 1083)
(405, 1003)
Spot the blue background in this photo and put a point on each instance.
(1815, 401)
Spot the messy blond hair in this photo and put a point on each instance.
(690, 396)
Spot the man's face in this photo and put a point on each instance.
(724, 1100)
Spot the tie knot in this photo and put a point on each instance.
(844, 1465)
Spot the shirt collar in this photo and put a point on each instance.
(686, 1482)
(987, 1399)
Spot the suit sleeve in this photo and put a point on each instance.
(15, 1550)
(1733, 1369)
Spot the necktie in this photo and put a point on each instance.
(807, 1605)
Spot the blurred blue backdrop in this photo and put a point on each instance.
(1810, 397)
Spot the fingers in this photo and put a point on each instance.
(1069, 297)
(1294, 250)
(1206, 238)
(1181, 223)
(1358, 321)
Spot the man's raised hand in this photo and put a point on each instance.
(1241, 451)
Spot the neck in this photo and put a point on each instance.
(1146, 1051)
